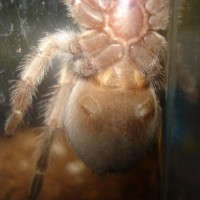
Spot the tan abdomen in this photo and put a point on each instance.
(117, 120)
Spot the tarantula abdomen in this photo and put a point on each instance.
(111, 129)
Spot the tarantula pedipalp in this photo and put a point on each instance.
(110, 78)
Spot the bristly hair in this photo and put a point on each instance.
(69, 5)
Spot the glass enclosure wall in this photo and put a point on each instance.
(182, 125)
(22, 24)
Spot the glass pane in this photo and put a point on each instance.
(182, 152)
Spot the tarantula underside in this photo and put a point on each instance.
(108, 85)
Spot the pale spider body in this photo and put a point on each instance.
(110, 77)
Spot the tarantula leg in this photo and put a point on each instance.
(88, 67)
(155, 5)
(21, 99)
(159, 11)
(153, 50)
(53, 121)
(85, 14)
(159, 20)
(33, 71)
(138, 51)
(42, 163)
(88, 41)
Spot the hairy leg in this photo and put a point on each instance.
(53, 121)
(33, 70)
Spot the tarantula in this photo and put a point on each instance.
(110, 78)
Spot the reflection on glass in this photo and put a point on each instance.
(182, 125)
